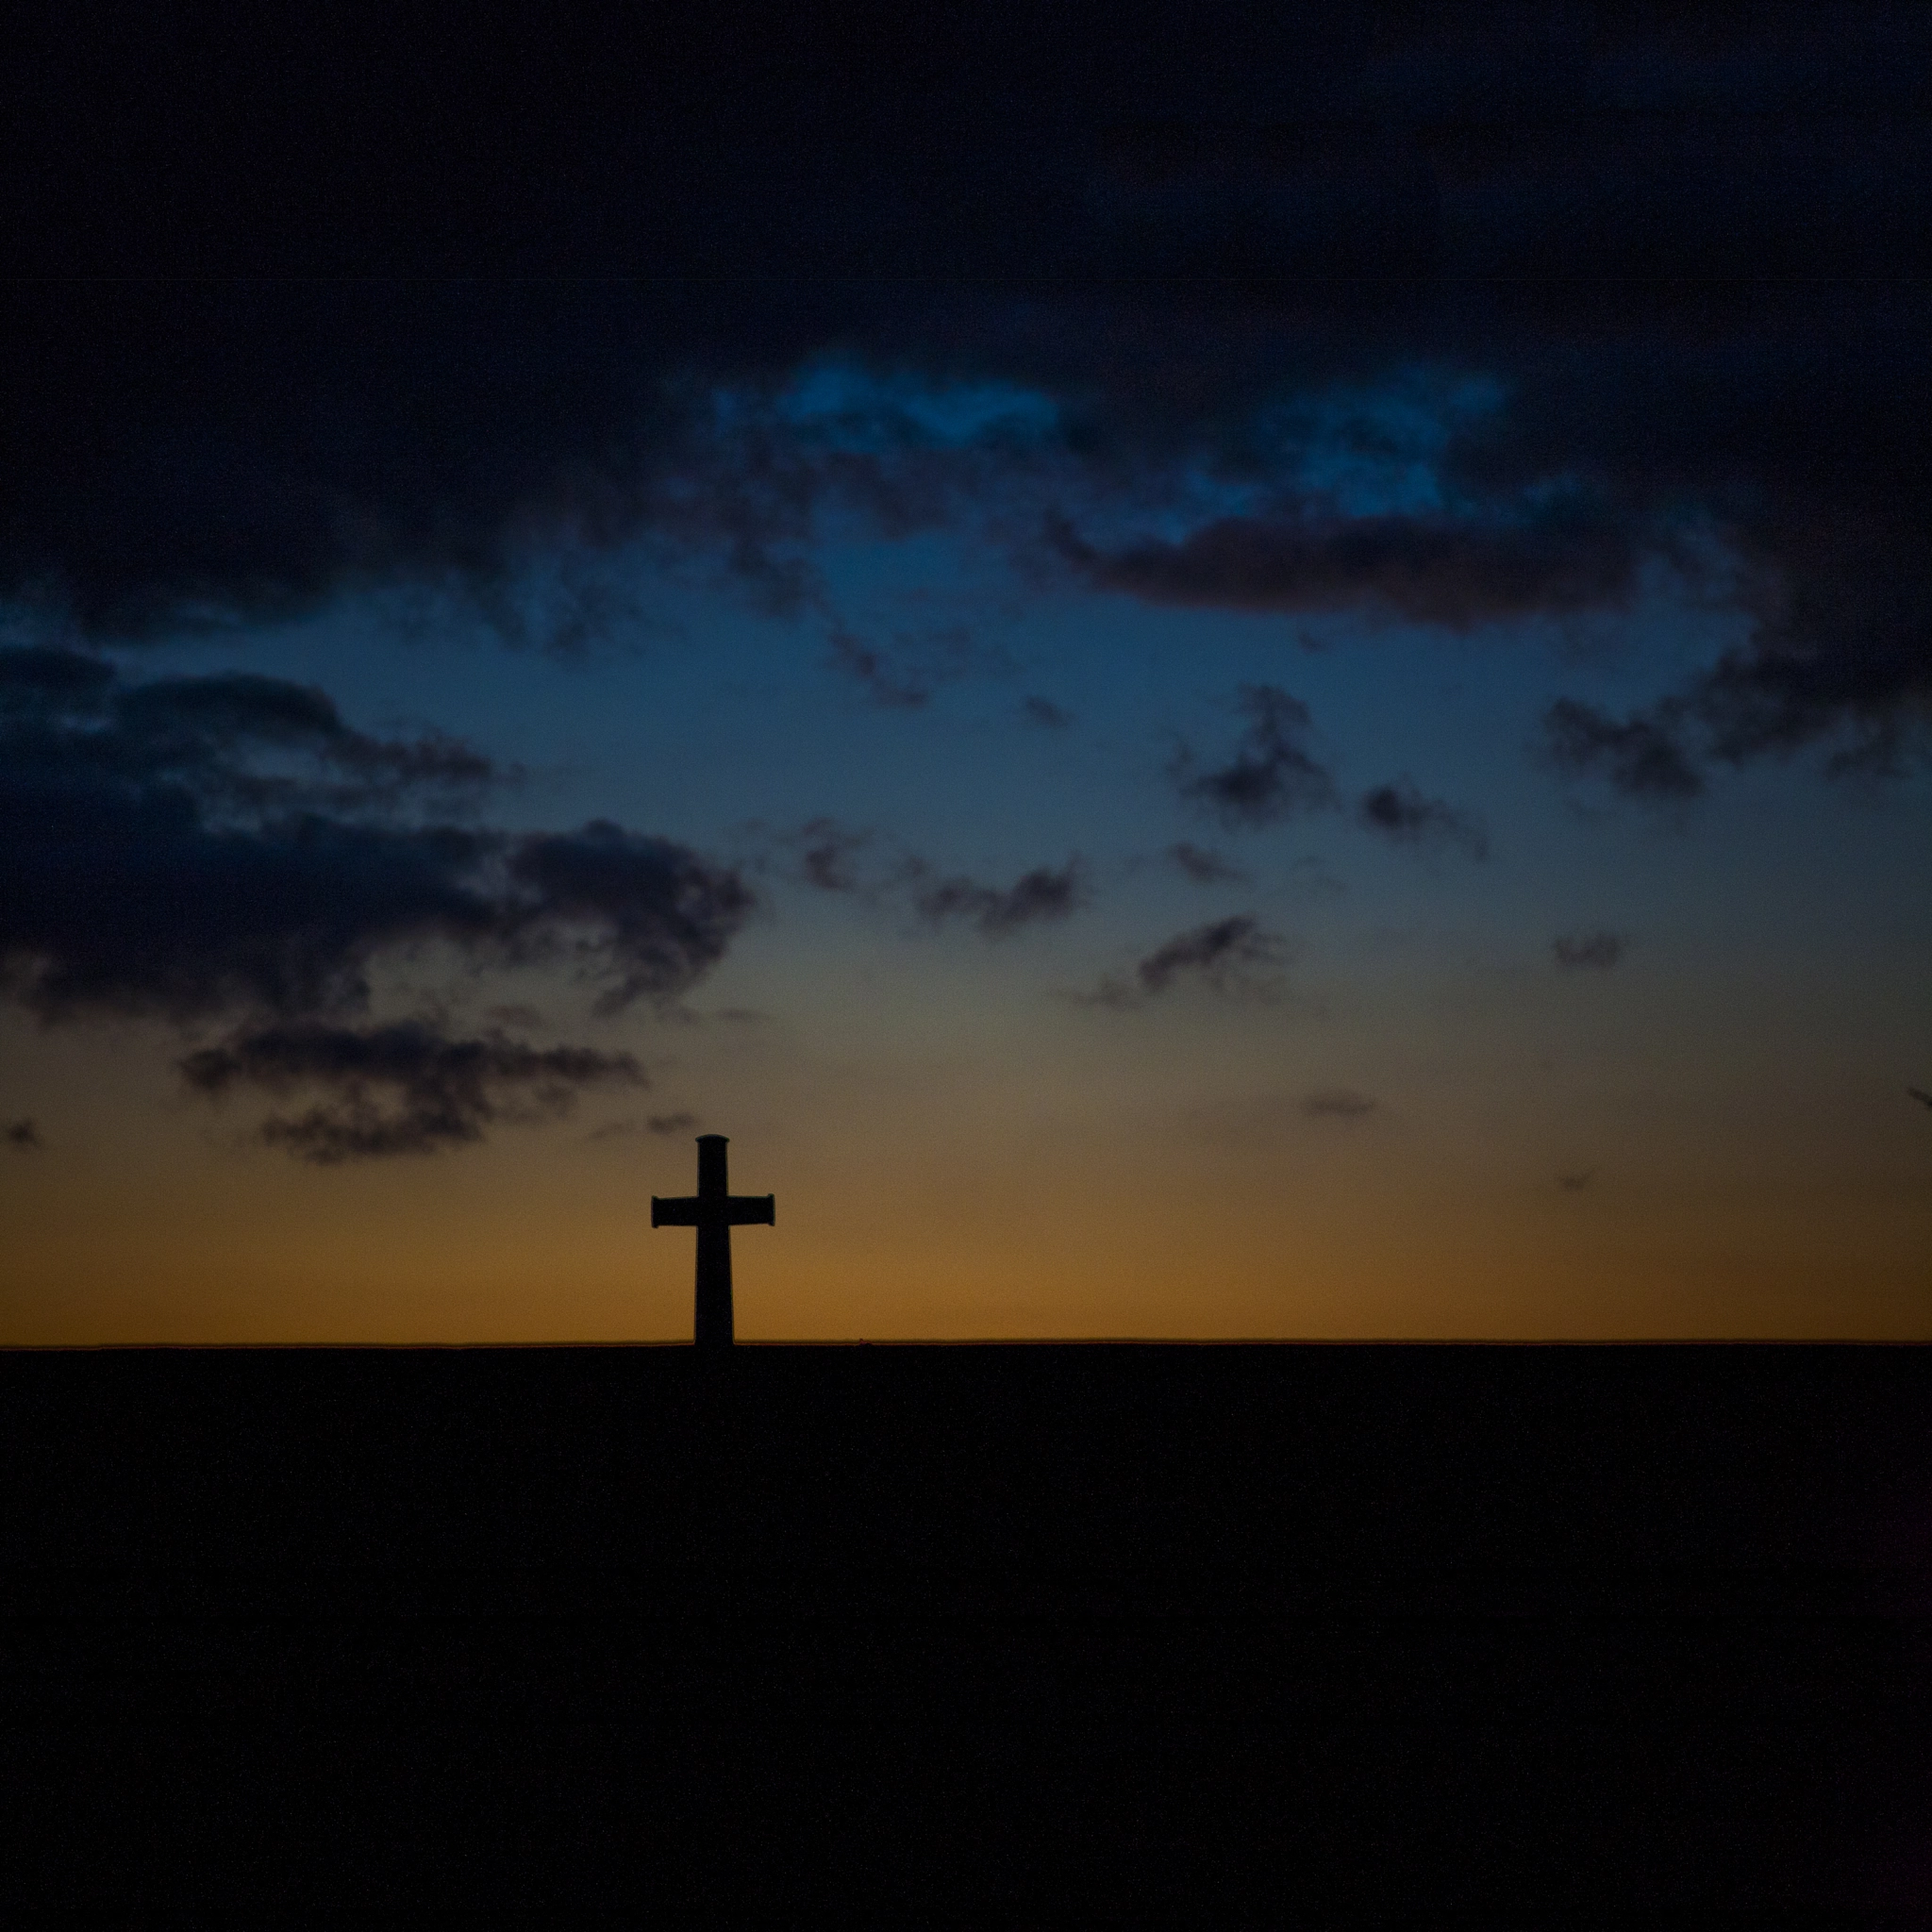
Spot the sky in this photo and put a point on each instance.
(1212, 673)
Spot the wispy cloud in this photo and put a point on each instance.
(1399, 811)
(1594, 951)
(1272, 774)
(1339, 1104)
(1236, 956)
(885, 684)
(407, 1088)
(663, 1124)
(827, 853)
(1643, 757)
(1203, 867)
(1043, 894)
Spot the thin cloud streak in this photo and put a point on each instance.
(1205, 868)
(1339, 1104)
(1235, 958)
(1044, 895)
(1428, 571)
(403, 1088)
(1588, 952)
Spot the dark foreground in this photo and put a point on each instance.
(968, 1633)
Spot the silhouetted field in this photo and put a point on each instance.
(953, 1630)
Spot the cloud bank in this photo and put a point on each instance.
(318, 326)
(148, 865)
(227, 848)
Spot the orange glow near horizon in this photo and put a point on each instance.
(965, 1207)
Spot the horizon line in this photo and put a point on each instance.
(982, 1341)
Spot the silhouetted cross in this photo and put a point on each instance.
(714, 1210)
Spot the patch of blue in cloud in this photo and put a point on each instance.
(843, 405)
(1355, 451)
(1375, 450)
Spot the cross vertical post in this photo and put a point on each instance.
(711, 1322)
(713, 1210)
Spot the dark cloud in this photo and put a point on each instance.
(825, 853)
(1917, 1094)
(1431, 570)
(1592, 952)
(1043, 894)
(884, 685)
(1575, 1183)
(280, 443)
(1235, 956)
(661, 1124)
(177, 723)
(1212, 952)
(1272, 777)
(148, 865)
(1311, 880)
(40, 677)
(23, 1135)
(290, 317)
(1641, 756)
(1205, 868)
(913, 662)
(1844, 652)
(644, 917)
(1045, 712)
(68, 714)
(407, 1088)
(1868, 690)
(1400, 812)
(1339, 1104)
(514, 1013)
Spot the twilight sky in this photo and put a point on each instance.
(1205, 672)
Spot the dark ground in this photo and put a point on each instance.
(968, 1633)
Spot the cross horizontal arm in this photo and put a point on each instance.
(715, 1210)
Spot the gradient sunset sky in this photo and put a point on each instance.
(1205, 672)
